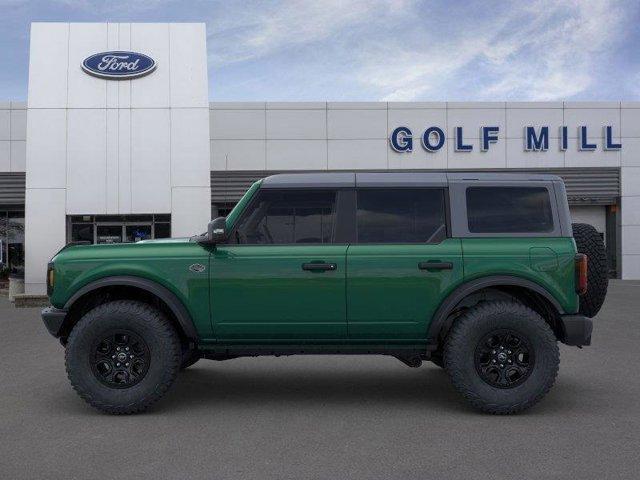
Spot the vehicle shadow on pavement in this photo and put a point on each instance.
(220, 385)
(425, 387)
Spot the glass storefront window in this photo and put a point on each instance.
(11, 243)
(163, 230)
(117, 228)
(108, 234)
(82, 232)
(135, 233)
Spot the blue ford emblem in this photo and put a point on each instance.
(118, 65)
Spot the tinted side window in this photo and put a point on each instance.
(509, 210)
(401, 215)
(288, 216)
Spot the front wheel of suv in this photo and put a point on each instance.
(122, 356)
(502, 357)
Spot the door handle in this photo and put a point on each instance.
(319, 267)
(435, 265)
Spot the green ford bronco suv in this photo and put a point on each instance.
(480, 273)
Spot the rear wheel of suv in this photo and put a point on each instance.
(589, 242)
(190, 357)
(502, 357)
(122, 356)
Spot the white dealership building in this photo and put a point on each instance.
(145, 154)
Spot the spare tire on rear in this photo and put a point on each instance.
(589, 242)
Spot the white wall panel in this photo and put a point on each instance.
(190, 158)
(517, 157)
(518, 118)
(124, 161)
(357, 124)
(419, 105)
(188, 72)
(5, 156)
(418, 158)
(113, 43)
(630, 211)
(357, 154)
(631, 239)
(595, 215)
(238, 155)
(5, 124)
(296, 105)
(574, 157)
(47, 148)
(18, 156)
(495, 157)
(44, 233)
(296, 124)
(630, 120)
(124, 86)
(238, 124)
(592, 118)
(152, 91)
(111, 161)
(48, 63)
(630, 180)
(150, 161)
(296, 154)
(418, 120)
(86, 161)
(191, 210)
(630, 153)
(472, 119)
(357, 105)
(86, 91)
(18, 124)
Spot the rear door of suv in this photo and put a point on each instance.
(403, 261)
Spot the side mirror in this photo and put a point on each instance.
(217, 230)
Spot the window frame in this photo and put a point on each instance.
(250, 206)
(446, 206)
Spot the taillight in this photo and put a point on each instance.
(581, 273)
(51, 277)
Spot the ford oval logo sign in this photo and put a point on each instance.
(118, 65)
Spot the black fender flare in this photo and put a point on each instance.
(466, 289)
(173, 302)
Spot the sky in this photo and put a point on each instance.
(377, 50)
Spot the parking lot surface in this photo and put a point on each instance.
(333, 417)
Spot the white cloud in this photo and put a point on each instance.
(260, 29)
(542, 51)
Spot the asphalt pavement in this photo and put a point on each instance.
(324, 417)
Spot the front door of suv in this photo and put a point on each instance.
(281, 276)
(402, 264)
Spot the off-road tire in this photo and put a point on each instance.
(470, 330)
(189, 358)
(589, 242)
(437, 359)
(147, 323)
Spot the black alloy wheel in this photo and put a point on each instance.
(504, 358)
(120, 359)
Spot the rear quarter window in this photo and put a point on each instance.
(509, 210)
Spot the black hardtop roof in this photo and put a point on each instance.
(397, 179)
